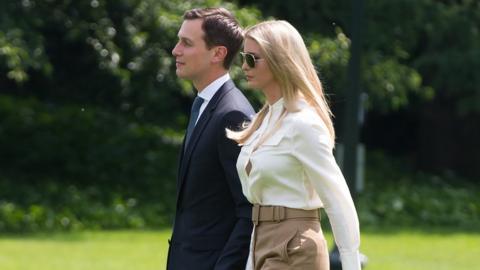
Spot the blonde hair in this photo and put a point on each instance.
(287, 57)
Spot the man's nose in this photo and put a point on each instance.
(175, 51)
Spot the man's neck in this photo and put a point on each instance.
(203, 82)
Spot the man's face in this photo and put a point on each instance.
(193, 58)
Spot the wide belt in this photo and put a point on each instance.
(262, 213)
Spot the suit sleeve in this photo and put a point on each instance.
(235, 253)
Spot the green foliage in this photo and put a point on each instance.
(110, 53)
(73, 168)
(86, 80)
(452, 67)
(58, 207)
(330, 56)
(82, 144)
(77, 167)
(390, 85)
(411, 48)
(423, 42)
(438, 45)
(397, 195)
(419, 65)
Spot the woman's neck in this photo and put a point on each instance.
(272, 93)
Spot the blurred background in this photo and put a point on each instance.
(92, 116)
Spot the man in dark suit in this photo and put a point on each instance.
(212, 226)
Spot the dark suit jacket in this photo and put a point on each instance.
(212, 225)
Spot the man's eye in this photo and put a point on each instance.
(186, 43)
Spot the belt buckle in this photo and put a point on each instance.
(278, 213)
(255, 214)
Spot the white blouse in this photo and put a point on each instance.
(295, 167)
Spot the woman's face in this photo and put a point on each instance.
(259, 76)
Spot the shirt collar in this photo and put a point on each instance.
(208, 92)
(275, 110)
(300, 103)
(277, 106)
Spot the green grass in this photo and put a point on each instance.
(415, 250)
(103, 250)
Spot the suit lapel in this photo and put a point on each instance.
(197, 132)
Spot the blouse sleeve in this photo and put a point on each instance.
(313, 148)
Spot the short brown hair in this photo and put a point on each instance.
(221, 29)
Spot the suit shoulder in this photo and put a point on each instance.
(235, 100)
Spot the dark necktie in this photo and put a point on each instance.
(193, 118)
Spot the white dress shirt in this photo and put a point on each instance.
(295, 167)
(208, 92)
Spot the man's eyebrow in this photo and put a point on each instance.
(185, 39)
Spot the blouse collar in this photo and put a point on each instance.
(277, 106)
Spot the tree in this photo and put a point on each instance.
(114, 54)
(420, 71)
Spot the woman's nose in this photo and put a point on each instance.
(244, 66)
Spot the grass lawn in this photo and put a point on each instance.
(138, 250)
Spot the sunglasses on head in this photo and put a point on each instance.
(250, 59)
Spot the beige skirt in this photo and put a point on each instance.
(290, 244)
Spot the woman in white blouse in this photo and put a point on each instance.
(286, 164)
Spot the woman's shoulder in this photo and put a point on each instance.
(307, 125)
(305, 117)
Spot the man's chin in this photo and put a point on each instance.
(179, 73)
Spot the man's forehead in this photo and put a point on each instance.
(191, 29)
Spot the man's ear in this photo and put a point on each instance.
(220, 52)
